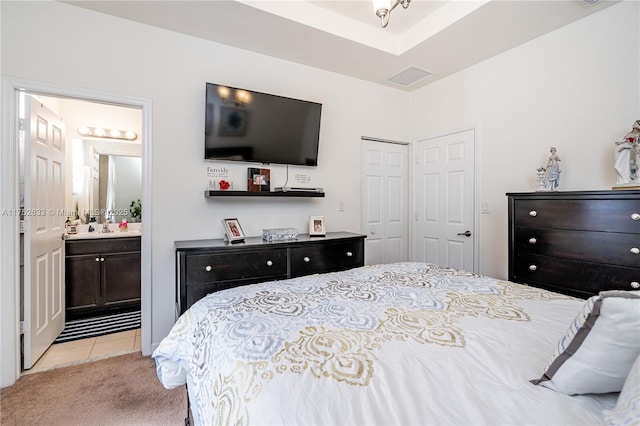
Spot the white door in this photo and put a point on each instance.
(44, 297)
(385, 201)
(445, 170)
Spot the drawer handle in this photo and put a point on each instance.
(306, 259)
(532, 240)
(533, 213)
(269, 263)
(635, 216)
(635, 250)
(635, 284)
(102, 259)
(97, 259)
(349, 254)
(208, 268)
(533, 267)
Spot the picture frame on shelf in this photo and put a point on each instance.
(258, 180)
(316, 226)
(232, 230)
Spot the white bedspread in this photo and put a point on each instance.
(402, 344)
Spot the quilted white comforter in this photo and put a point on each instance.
(405, 343)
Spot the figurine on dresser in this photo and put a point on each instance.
(627, 157)
(552, 178)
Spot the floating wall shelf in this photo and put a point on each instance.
(300, 194)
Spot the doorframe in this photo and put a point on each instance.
(10, 368)
(476, 186)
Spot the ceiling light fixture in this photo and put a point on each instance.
(383, 8)
(99, 132)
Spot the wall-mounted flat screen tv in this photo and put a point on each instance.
(244, 125)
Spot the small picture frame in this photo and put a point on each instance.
(316, 226)
(258, 180)
(232, 230)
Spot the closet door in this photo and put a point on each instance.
(385, 200)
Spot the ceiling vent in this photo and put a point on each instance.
(409, 76)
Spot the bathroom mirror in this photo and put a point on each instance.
(107, 178)
(119, 183)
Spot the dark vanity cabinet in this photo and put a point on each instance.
(102, 276)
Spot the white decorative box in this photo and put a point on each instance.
(279, 234)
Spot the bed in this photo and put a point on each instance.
(403, 343)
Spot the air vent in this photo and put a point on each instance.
(409, 76)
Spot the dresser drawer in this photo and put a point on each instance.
(572, 276)
(612, 215)
(596, 247)
(327, 257)
(257, 264)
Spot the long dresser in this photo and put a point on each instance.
(206, 266)
(577, 243)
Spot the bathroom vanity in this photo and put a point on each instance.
(102, 274)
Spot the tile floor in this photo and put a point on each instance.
(85, 350)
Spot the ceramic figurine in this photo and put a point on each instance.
(552, 179)
(541, 172)
(627, 157)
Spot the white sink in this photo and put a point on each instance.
(96, 235)
(134, 230)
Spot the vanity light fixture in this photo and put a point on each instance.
(99, 132)
(383, 8)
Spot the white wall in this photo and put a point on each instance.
(576, 88)
(59, 46)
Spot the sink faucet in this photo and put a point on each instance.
(105, 227)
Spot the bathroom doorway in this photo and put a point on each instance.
(83, 206)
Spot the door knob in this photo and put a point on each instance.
(465, 233)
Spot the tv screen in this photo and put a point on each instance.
(243, 125)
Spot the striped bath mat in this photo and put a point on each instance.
(92, 327)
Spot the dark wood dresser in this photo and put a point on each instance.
(577, 243)
(206, 266)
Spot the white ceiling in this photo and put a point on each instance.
(440, 37)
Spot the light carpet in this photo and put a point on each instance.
(122, 390)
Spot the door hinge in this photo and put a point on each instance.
(21, 124)
(21, 327)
